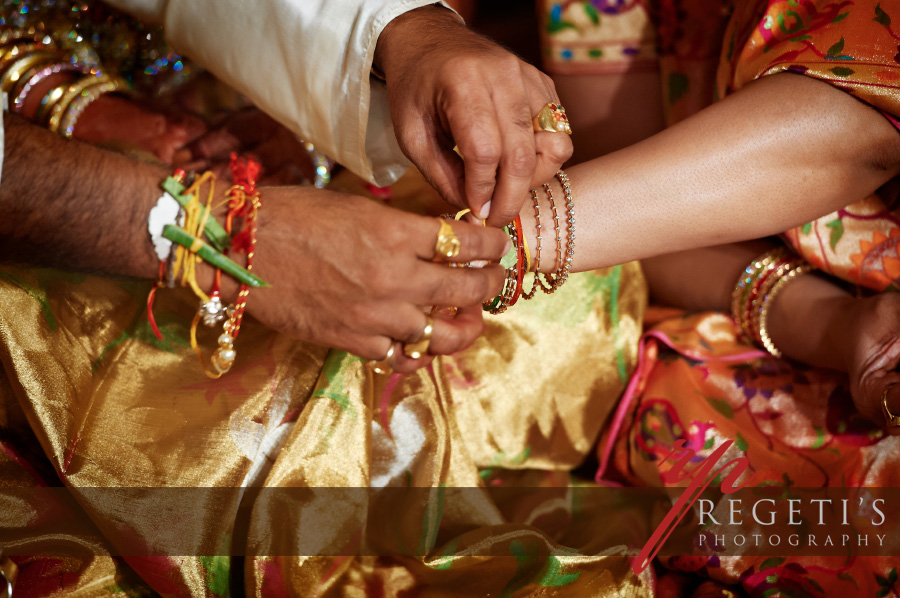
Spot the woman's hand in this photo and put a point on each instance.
(284, 158)
(349, 273)
(112, 120)
(875, 354)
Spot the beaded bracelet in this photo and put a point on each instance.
(552, 283)
(570, 225)
(564, 260)
(513, 287)
(537, 248)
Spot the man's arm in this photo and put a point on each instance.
(346, 272)
(307, 64)
(304, 62)
(74, 206)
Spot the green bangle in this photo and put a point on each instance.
(494, 304)
(176, 234)
(512, 256)
(214, 231)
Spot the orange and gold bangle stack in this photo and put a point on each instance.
(754, 294)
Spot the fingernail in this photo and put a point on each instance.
(507, 247)
(485, 211)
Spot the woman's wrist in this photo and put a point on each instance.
(813, 320)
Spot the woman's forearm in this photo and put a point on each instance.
(807, 321)
(781, 152)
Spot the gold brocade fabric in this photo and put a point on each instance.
(426, 483)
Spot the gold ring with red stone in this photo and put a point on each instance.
(552, 118)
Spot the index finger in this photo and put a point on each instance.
(518, 157)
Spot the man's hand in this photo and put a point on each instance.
(349, 273)
(448, 86)
(346, 272)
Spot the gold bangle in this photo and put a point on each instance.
(50, 99)
(766, 281)
(59, 108)
(766, 340)
(21, 65)
(89, 95)
(14, 50)
(745, 283)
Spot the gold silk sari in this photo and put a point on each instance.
(300, 473)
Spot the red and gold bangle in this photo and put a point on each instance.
(501, 302)
(755, 293)
(762, 280)
(520, 259)
(747, 280)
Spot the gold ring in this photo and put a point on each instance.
(552, 118)
(418, 349)
(8, 574)
(892, 421)
(447, 245)
(382, 366)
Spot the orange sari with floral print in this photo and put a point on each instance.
(696, 381)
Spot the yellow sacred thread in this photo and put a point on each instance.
(196, 347)
(195, 219)
(186, 259)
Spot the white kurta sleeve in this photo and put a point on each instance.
(305, 62)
